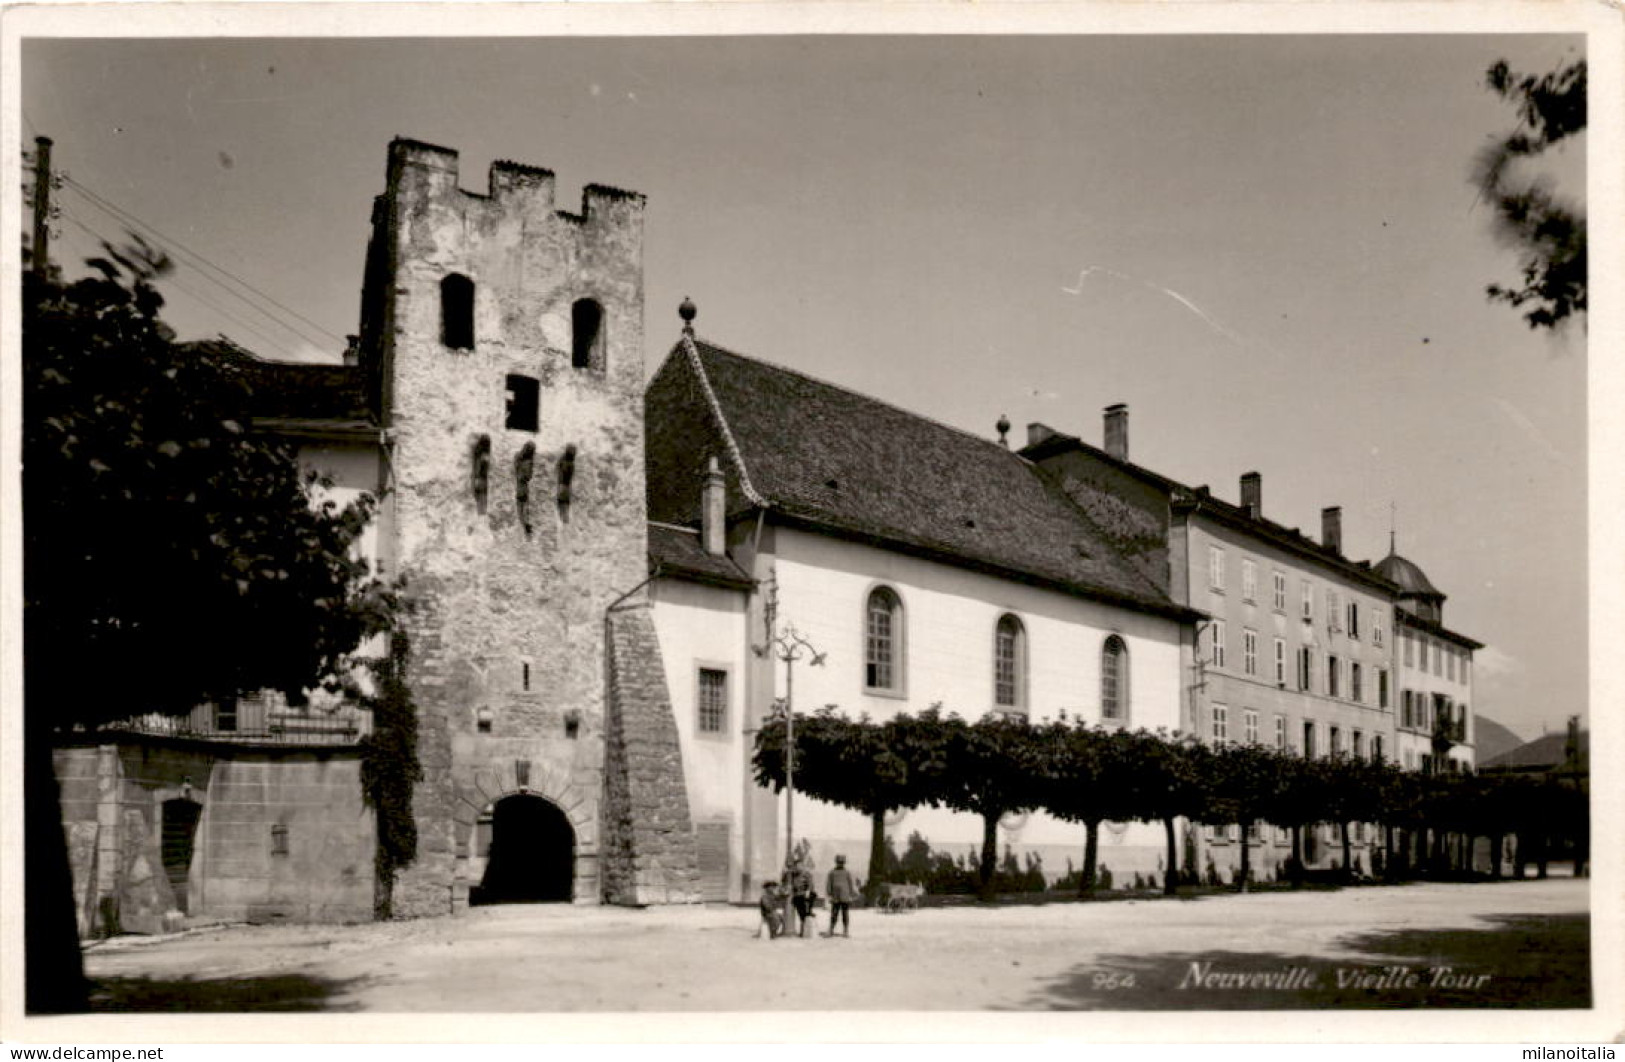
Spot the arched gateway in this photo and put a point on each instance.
(529, 849)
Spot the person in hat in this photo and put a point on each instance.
(772, 909)
(802, 894)
(842, 890)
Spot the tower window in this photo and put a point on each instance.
(524, 398)
(587, 334)
(457, 312)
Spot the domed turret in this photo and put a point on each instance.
(1417, 595)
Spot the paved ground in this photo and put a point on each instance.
(1508, 944)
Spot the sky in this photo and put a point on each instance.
(1268, 247)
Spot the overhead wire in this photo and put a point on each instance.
(247, 326)
(200, 263)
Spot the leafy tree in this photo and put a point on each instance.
(1301, 799)
(1548, 231)
(1353, 794)
(1243, 783)
(1168, 785)
(872, 768)
(989, 770)
(1083, 778)
(172, 555)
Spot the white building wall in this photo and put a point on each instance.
(704, 627)
(1416, 741)
(949, 615)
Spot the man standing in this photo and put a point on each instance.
(842, 891)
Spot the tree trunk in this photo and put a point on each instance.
(54, 976)
(1246, 864)
(1170, 884)
(990, 858)
(1297, 856)
(1497, 850)
(877, 855)
(1091, 852)
(1348, 853)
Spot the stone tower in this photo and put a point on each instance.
(503, 342)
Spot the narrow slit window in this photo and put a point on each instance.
(457, 312)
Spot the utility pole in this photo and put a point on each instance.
(42, 207)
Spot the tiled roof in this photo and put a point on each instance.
(676, 552)
(1201, 500)
(296, 392)
(847, 464)
(1411, 619)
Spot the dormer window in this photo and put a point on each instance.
(457, 312)
(587, 335)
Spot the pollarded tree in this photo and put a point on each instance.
(1244, 784)
(1301, 799)
(990, 769)
(1083, 778)
(1169, 777)
(1353, 794)
(872, 768)
(172, 555)
(1548, 231)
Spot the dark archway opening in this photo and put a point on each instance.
(179, 832)
(532, 854)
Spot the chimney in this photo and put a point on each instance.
(1331, 528)
(1252, 494)
(713, 512)
(1117, 431)
(1037, 433)
(352, 350)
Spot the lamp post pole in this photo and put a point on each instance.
(790, 646)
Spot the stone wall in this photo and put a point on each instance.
(281, 834)
(650, 854)
(514, 534)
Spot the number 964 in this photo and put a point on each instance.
(1106, 981)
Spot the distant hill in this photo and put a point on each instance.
(1491, 739)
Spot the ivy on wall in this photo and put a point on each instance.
(390, 770)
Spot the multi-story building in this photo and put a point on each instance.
(1434, 723)
(1299, 650)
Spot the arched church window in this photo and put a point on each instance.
(1009, 664)
(883, 642)
(1114, 680)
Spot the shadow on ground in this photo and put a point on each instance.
(282, 992)
(1521, 961)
